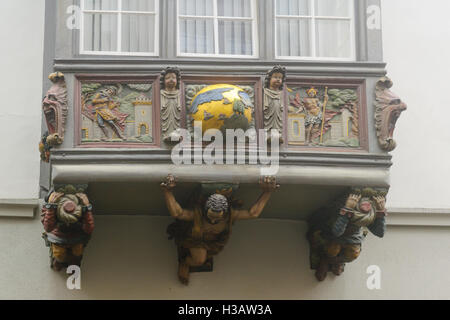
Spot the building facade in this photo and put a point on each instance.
(332, 112)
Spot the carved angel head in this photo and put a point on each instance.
(275, 78)
(170, 79)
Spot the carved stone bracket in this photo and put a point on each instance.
(68, 223)
(388, 108)
(337, 231)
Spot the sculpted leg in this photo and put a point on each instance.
(197, 257)
(59, 255)
(308, 134)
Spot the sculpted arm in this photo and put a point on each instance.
(173, 206)
(268, 185)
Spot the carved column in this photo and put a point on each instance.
(170, 105)
(274, 102)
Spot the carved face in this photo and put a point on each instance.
(69, 209)
(170, 81)
(214, 217)
(276, 81)
(365, 206)
(388, 109)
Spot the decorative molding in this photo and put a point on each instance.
(223, 66)
(420, 217)
(290, 174)
(291, 157)
(19, 208)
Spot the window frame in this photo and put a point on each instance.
(255, 33)
(119, 12)
(313, 18)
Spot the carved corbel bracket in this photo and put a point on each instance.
(336, 232)
(68, 223)
(388, 108)
(54, 106)
(203, 226)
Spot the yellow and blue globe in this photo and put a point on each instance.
(222, 106)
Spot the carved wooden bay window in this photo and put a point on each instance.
(156, 67)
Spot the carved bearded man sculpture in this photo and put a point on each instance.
(203, 231)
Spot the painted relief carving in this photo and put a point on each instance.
(170, 104)
(388, 108)
(220, 106)
(202, 228)
(336, 233)
(54, 106)
(114, 113)
(68, 224)
(274, 101)
(323, 116)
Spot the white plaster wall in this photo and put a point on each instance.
(131, 258)
(21, 59)
(416, 40)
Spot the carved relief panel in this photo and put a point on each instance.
(115, 111)
(221, 103)
(323, 114)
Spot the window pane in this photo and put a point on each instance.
(333, 38)
(293, 7)
(196, 7)
(100, 4)
(138, 33)
(234, 8)
(100, 32)
(334, 8)
(235, 37)
(197, 36)
(138, 5)
(293, 37)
